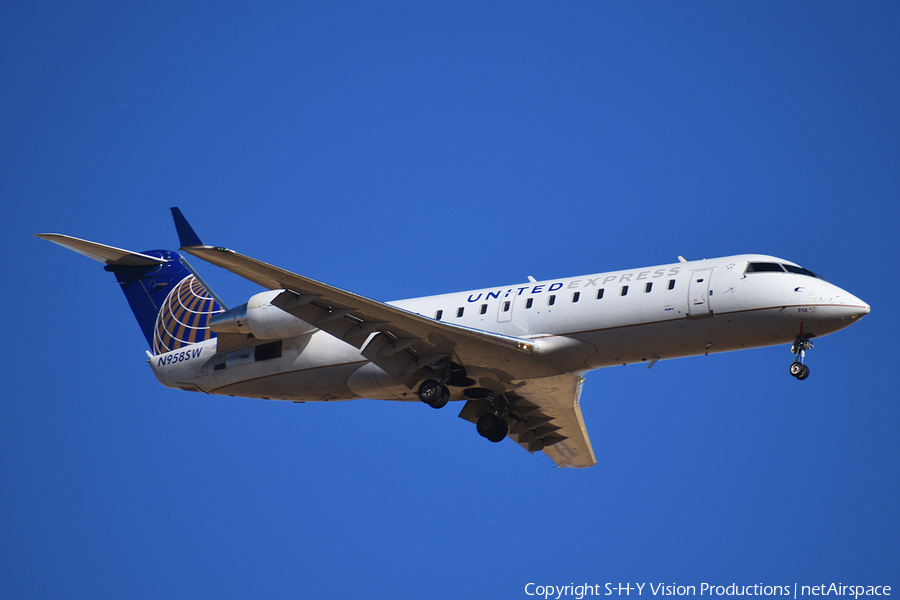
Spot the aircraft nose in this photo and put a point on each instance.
(832, 309)
(853, 309)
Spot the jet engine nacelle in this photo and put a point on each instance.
(261, 319)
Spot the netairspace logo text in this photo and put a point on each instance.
(793, 591)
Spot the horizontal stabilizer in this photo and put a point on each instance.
(169, 300)
(100, 252)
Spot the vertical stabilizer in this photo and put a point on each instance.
(170, 301)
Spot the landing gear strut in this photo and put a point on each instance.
(798, 369)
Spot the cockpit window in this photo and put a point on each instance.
(802, 271)
(763, 267)
(767, 267)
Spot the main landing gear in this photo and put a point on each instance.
(491, 425)
(798, 369)
(434, 393)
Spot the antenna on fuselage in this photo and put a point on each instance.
(681, 259)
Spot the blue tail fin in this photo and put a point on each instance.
(170, 301)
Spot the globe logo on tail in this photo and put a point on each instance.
(183, 318)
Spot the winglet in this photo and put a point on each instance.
(186, 235)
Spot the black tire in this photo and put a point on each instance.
(443, 400)
(797, 369)
(499, 431)
(430, 391)
(804, 373)
(486, 423)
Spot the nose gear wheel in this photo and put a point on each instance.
(798, 369)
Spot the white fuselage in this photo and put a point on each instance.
(579, 323)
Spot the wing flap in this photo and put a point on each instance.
(564, 437)
(551, 419)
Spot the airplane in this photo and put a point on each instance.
(514, 355)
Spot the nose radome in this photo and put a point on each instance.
(855, 308)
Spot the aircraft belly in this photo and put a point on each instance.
(311, 367)
(678, 338)
(370, 381)
(327, 383)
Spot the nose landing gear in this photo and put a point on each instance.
(798, 369)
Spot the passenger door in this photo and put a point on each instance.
(698, 294)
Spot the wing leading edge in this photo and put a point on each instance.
(407, 341)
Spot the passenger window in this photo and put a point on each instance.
(599, 293)
(671, 284)
(624, 290)
(647, 287)
(529, 302)
(483, 308)
(460, 311)
(551, 300)
(438, 315)
(506, 306)
(576, 296)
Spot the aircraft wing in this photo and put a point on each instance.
(546, 400)
(406, 341)
(550, 419)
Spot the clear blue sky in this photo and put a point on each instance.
(403, 150)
